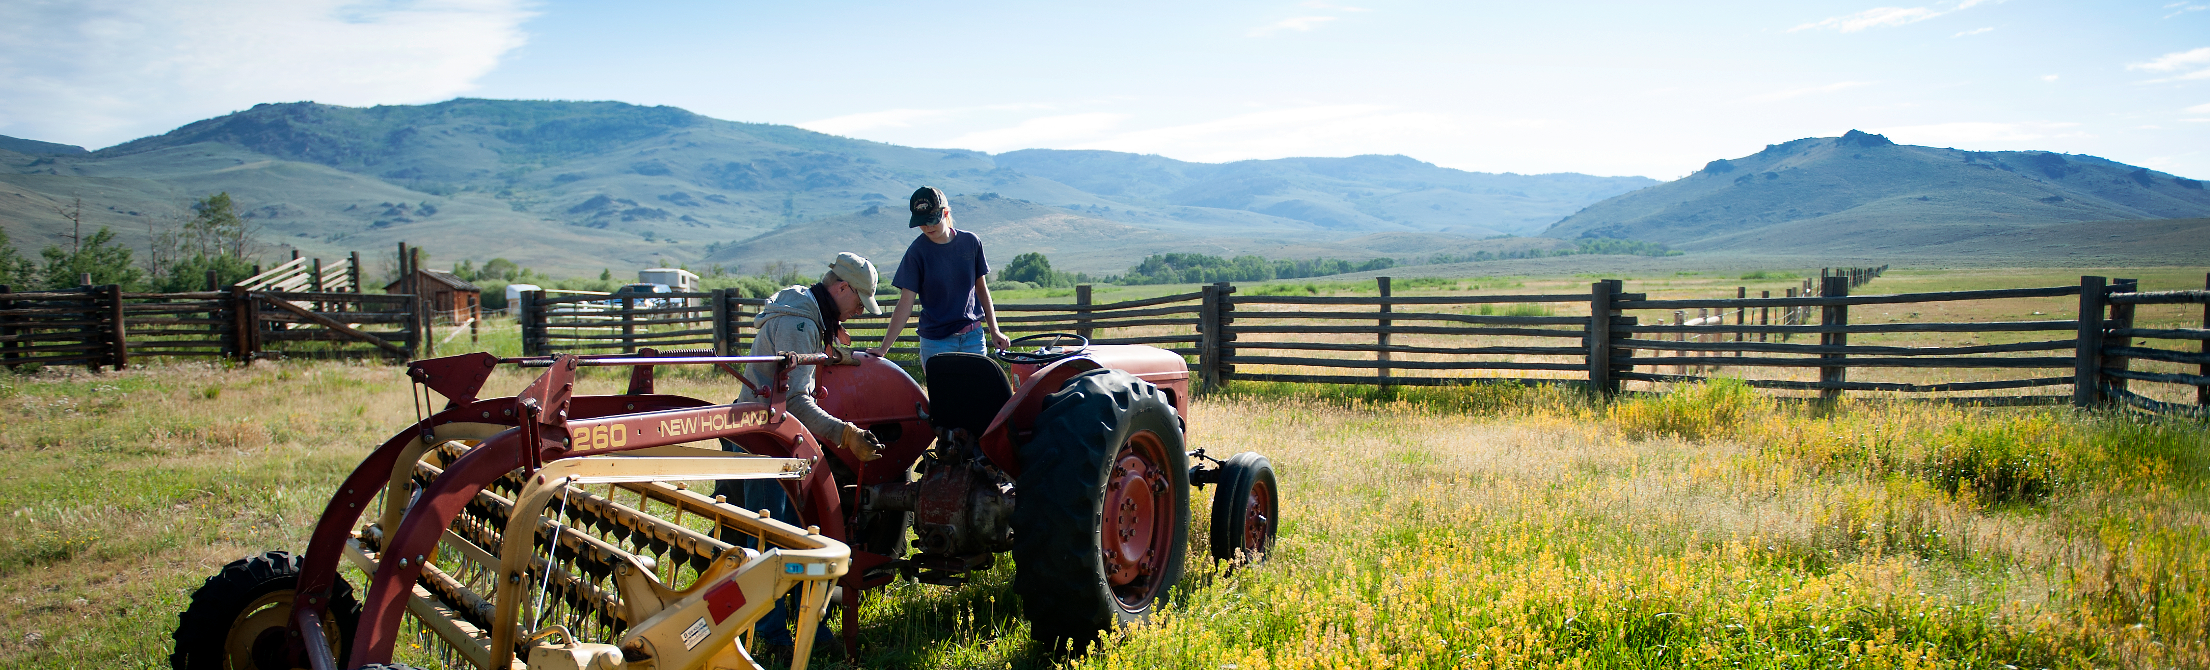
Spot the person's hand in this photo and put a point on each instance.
(862, 443)
(881, 351)
(998, 339)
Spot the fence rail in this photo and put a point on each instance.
(1599, 340)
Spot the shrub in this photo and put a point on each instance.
(1689, 412)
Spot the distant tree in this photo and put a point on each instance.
(1034, 268)
(606, 274)
(500, 268)
(212, 238)
(16, 270)
(97, 255)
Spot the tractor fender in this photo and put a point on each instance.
(1016, 422)
(879, 396)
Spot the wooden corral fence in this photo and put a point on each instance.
(102, 326)
(1392, 340)
(80, 326)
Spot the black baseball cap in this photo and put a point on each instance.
(928, 205)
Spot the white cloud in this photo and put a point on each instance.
(2048, 77)
(1974, 31)
(104, 71)
(2174, 61)
(2183, 8)
(1879, 17)
(1296, 23)
(1316, 4)
(1039, 132)
(2199, 109)
(1979, 132)
(1799, 92)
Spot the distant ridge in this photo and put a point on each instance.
(579, 186)
(23, 146)
(1862, 191)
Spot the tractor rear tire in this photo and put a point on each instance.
(1105, 436)
(1246, 509)
(239, 618)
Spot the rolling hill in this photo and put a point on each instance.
(1862, 193)
(577, 186)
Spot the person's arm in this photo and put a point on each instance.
(897, 323)
(990, 314)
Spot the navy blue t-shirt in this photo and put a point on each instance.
(944, 276)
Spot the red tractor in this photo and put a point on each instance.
(549, 529)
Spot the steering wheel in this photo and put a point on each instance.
(1049, 353)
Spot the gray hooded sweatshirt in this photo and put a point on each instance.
(791, 322)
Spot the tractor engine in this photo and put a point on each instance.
(962, 507)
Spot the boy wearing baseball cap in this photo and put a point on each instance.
(944, 268)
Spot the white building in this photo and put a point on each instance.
(678, 280)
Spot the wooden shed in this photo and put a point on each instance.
(454, 300)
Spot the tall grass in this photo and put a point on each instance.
(1500, 525)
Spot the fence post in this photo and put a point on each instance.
(1833, 315)
(119, 350)
(2202, 393)
(1208, 336)
(1680, 334)
(353, 271)
(531, 317)
(1764, 316)
(629, 326)
(2121, 317)
(1600, 310)
(245, 324)
(2087, 371)
(1224, 317)
(7, 326)
(722, 346)
(1382, 336)
(1082, 311)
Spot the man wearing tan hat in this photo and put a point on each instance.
(806, 320)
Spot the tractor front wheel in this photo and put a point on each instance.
(1246, 509)
(1102, 524)
(239, 619)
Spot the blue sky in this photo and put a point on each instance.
(1654, 89)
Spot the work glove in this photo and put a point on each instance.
(862, 443)
(842, 355)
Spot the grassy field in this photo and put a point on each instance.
(1492, 526)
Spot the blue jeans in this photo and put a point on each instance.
(967, 342)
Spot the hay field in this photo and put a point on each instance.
(1473, 527)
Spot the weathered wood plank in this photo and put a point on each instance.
(1404, 300)
(2165, 377)
(1402, 365)
(1894, 298)
(1422, 316)
(1782, 348)
(1862, 386)
(1401, 381)
(2021, 362)
(1240, 329)
(1932, 327)
(1409, 349)
(2160, 298)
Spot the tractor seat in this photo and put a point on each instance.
(965, 391)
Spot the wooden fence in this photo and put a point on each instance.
(1392, 340)
(101, 326)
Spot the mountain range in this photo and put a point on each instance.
(573, 187)
(576, 186)
(1862, 192)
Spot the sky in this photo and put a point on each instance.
(1606, 88)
